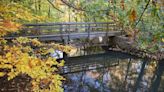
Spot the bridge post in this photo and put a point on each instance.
(38, 31)
(88, 30)
(69, 27)
(61, 33)
(106, 36)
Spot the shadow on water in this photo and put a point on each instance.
(112, 72)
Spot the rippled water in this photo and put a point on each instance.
(116, 75)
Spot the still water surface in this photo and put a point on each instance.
(111, 73)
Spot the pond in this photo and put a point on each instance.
(112, 72)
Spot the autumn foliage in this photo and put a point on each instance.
(132, 15)
(27, 56)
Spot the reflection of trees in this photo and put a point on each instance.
(161, 88)
(120, 76)
(130, 75)
(157, 78)
(140, 76)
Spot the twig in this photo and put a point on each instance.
(54, 6)
(79, 9)
(142, 13)
(69, 5)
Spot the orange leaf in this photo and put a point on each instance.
(9, 25)
(133, 15)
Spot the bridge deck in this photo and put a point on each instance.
(59, 37)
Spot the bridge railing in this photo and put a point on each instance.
(66, 28)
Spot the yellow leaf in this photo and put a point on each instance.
(61, 63)
(2, 74)
(8, 55)
(35, 42)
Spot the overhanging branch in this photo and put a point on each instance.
(70, 5)
(142, 13)
(79, 9)
(54, 6)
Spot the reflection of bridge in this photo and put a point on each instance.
(64, 32)
(92, 62)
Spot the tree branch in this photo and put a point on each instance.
(54, 6)
(69, 5)
(79, 9)
(142, 13)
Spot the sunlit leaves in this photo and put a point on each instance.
(22, 59)
(21, 56)
(3, 41)
(58, 3)
(22, 40)
(7, 26)
(2, 74)
(162, 39)
(35, 42)
(15, 11)
(12, 15)
(12, 26)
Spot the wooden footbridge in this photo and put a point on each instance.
(65, 32)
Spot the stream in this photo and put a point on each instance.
(109, 72)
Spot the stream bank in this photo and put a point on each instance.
(123, 44)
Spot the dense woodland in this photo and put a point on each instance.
(141, 20)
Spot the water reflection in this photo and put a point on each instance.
(130, 75)
(157, 78)
(86, 82)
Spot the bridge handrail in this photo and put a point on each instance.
(67, 23)
(69, 27)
